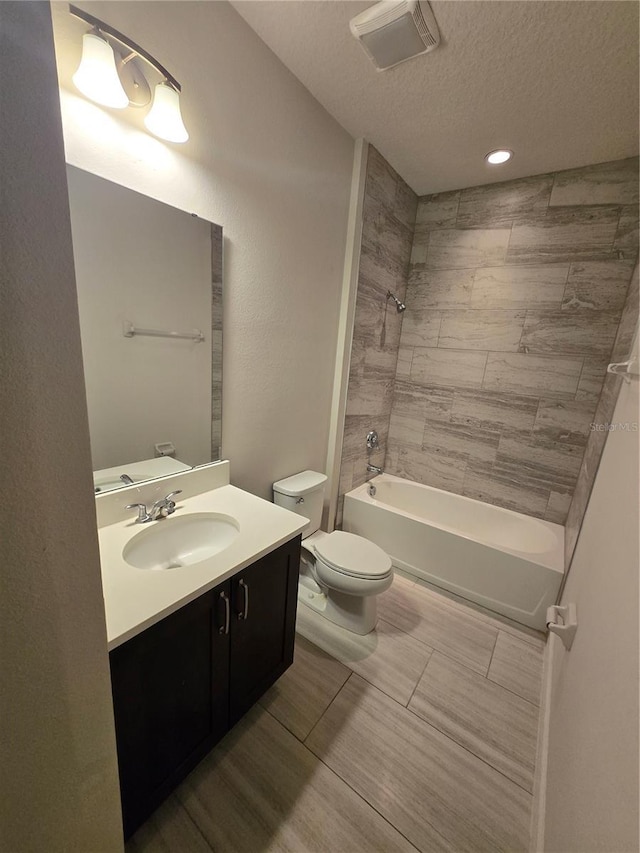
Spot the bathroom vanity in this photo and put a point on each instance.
(192, 647)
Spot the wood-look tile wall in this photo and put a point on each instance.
(387, 234)
(603, 418)
(514, 299)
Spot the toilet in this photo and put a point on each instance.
(340, 573)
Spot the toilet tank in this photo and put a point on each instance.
(302, 493)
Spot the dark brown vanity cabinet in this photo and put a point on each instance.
(182, 683)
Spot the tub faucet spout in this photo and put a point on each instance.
(373, 469)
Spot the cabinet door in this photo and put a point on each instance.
(264, 599)
(170, 692)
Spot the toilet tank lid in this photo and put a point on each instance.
(300, 484)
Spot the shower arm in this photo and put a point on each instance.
(400, 306)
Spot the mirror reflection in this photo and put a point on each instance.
(149, 281)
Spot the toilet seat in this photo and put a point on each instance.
(353, 556)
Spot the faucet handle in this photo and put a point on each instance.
(169, 504)
(143, 513)
(165, 506)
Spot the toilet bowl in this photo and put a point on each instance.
(340, 573)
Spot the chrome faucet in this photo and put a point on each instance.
(373, 469)
(165, 506)
(126, 479)
(161, 509)
(143, 514)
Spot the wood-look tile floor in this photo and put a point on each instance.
(418, 737)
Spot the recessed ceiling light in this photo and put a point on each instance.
(501, 155)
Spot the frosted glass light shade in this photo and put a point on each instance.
(164, 119)
(97, 75)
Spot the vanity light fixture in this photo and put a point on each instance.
(113, 77)
(97, 75)
(164, 118)
(499, 156)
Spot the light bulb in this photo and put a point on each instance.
(97, 75)
(499, 156)
(164, 118)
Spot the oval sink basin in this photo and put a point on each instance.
(181, 541)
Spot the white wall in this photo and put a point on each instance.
(592, 772)
(141, 261)
(58, 765)
(267, 163)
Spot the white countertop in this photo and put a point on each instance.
(137, 598)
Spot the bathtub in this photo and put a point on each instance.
(505, 561)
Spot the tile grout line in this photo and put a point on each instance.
(278, 720)
(462, 610)
(484, 370)
(424, 669)
(446, 653)
(470, 752)
(370, 804)
(195, 823)
(365, 800)
(480, 675)
(486, 675)
(513, 692)
(546, 512)
(566, 284)
(615, 233)
(418, 716)
(304, 742)
(458, 208)
(364, 677)
(453, 606)
(445, 735)
(520, 347)
(437, 345)
(468, 610)
(338, 776)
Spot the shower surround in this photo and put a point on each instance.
(514, 297)
(388, 219)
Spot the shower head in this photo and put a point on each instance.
(400, 306)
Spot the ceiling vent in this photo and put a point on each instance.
(393, 31)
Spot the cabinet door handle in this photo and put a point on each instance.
(224, 629)
(245, 592)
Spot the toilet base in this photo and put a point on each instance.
(355, 613)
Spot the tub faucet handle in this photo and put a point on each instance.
(372, 440)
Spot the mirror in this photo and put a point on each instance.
(149, 281)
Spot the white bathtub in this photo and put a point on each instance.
(510, 563)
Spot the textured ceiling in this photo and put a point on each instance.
(554, 80)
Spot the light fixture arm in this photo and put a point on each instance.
(135, 49)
